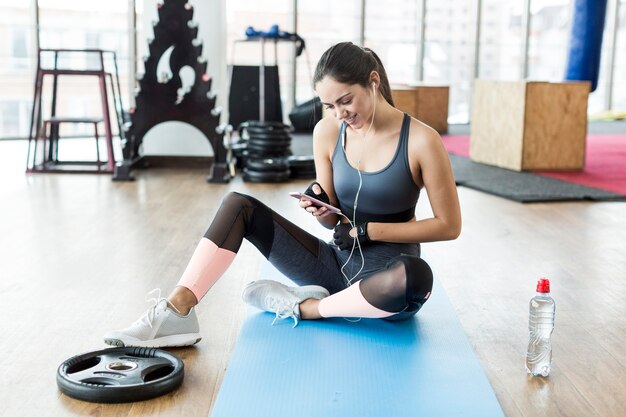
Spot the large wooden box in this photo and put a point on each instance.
(526, 125)
(427, 103)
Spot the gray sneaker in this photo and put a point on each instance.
(160, 326)
(284, 301)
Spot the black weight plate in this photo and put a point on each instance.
(262, 154)
(266, 150)
(303, 171)
(119, 375)
(269, 142)
(265, 176)
(267, 164)
(264, 125)
(301, 161)
(270, 136)
(254, 131)
(303, 175)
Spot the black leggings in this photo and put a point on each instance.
(394, 277)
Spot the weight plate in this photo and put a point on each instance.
(301, 161)
(308, 175)
(270, 142)
(268, 148)
(271, 137)
(262, 154)
(119, 375)
(264, 125)
(267, 164)
(265, 176)
(256, 131)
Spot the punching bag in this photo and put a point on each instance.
(583, 58)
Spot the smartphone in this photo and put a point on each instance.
(315, 201)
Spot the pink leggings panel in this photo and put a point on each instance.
(207, 264)
(350, 303)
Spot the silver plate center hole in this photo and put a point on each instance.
(122, 366)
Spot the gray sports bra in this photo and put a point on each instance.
(388, 195)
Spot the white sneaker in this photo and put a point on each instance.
(160, 326)
(284, 301)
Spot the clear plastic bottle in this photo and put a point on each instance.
(540, 325)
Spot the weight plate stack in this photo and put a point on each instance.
(302, 167)
(268, 145)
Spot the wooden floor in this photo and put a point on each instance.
(79, 252)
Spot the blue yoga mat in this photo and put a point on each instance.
(323, 368)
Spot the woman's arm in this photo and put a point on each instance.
(324, 141)
(430, 166)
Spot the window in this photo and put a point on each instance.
(10, 118)
(261, 15)
(449, 54)
(550, 22)
(501, 40)
(619, 74)
(391, 30)
(75, 24)
(19, 48)
(321, 23)
(16, 68)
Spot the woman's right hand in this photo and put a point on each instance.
(315, 190)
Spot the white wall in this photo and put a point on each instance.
(176, 138)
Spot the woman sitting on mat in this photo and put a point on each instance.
(371, 162)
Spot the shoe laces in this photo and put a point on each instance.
(282, 309)
(150, 314)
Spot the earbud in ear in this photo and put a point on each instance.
(374, 87)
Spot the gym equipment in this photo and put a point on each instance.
(251, 175)
(267, 164)
(585, 45)
(255, 90)
(161, 97)
(119, 375)
(334, 367)
(302, 167)
(267, 145)
(276, 33)
(244, 100)
(305, 116)
(100, 64)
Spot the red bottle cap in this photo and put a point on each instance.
(543, 285)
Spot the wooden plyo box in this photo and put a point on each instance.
(429, 104)
(526, 125)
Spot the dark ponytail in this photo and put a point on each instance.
(348, 63)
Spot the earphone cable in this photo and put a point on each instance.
(353, 222)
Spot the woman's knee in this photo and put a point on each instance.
(241, 216)
(416, 277)
(419, 277)
(235, 199)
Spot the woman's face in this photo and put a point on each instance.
(351, 103)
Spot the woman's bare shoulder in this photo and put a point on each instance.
(327, 129)
(421, 135)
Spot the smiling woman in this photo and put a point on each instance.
(376, 235)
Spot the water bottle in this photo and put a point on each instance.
(540, 325)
